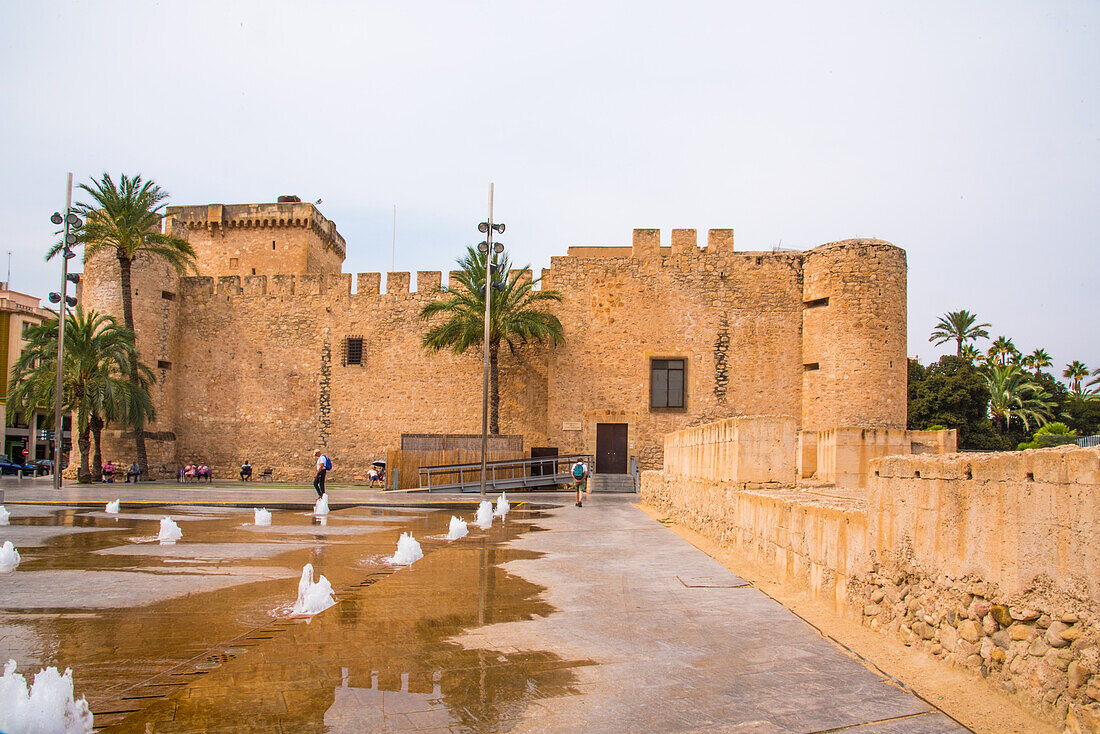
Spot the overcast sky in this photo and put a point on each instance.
(966, 133)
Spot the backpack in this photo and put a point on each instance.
(578, 470)
(328, 462)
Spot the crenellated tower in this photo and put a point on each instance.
(260, 239)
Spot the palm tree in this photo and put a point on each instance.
(517, 315)
(1013, 396)
(971, 353)
(1076, 371)
(1002, 349)
(1037, 360)
(126, 219)
(100, 357)
(960, 326)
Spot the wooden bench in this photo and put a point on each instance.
(267, 475)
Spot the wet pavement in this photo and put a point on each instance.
(558, 619)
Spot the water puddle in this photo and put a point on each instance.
(203, 652)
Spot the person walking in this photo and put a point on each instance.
(323, 465)
(580, 478)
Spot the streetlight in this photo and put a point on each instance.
(72, 223)
(487, 248)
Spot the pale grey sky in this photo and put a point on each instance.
(967, 133)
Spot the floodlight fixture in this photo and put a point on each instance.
(73, 278)
(74, 220)
(70, 238)
(55, 297)
(483, 227)
(498, 247)
(57, 218)
(498, 228)
(483, 247)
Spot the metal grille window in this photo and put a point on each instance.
(666, 383)
(353, 350)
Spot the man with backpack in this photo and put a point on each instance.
(580, 478)
(323, 465)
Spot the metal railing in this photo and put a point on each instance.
(1088, 441)
(541, 472)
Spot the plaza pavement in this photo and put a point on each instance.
(593, 619)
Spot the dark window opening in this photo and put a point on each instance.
(810, 367)
(666, 383)
(168, 295)
(353, 350)
(272, 244)
(163, 365)
(254, 272)
(816, 303)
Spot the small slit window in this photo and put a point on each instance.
(168, 295)
(811, 366)
(666, 383)
(353, 350)
(816, 303)
(163, 365)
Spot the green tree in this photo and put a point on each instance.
(100, 357)
(517, 315)
(960, 326)
(1013, 396)
(1075, 372)
(952, 393)
(1037, 361)
(1002, 351)
(125, 219)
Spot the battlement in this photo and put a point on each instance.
(397, 285)
(225, 217)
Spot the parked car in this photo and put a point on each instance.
(42, 467)
(9, 467)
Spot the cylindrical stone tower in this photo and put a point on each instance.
(854, 336)
(155, 298)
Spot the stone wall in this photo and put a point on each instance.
(989, 562)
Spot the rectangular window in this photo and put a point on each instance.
(163, 365)
(816, 303)
(234, 262)
(168, 295)
(353, 350)
(811, 366)
(666, 383)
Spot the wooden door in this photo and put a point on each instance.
(611, 448)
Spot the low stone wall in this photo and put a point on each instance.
(989, 562)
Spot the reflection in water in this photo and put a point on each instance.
(381, 658)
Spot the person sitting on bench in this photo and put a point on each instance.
(246, 471)
(134, 471)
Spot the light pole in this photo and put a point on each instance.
(489, 248)
(72, 222)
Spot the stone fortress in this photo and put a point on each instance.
(270, 352)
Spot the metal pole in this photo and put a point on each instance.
(58, 434)
(485, 366)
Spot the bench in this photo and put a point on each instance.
(267, 475)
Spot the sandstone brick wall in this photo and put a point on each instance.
(988, 562)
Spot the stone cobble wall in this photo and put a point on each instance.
(986, 562)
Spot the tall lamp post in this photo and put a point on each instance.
(488, 248)
(72, 223)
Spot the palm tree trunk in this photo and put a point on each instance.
(82, 442)
(95, 425)
(128, 318)
(494, 387)
(958, 346)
